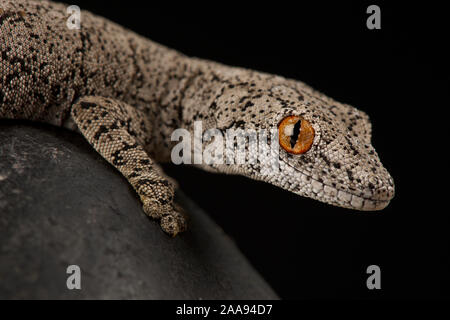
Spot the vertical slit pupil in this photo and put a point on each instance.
(295, 133)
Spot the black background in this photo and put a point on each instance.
(398, 75)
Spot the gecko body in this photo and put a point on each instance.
(126, 95)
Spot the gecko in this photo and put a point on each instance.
(127, 94)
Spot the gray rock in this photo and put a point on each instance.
(62, 204)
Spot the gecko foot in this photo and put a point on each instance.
(174, 222)
(172, 217)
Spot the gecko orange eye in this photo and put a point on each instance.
(296, 134)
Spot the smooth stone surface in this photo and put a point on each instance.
(62, 204)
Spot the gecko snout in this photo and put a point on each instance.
(378, 191)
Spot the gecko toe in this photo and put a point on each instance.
(173, 218)
(174, 223)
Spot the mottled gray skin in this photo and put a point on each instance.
(126, 95)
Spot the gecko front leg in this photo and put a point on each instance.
(115, 130)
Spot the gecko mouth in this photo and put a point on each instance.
(342, 198)
(326, 193)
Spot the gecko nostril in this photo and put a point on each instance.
(379, 189)
(374, 181)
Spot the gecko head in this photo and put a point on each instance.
(323, 148)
